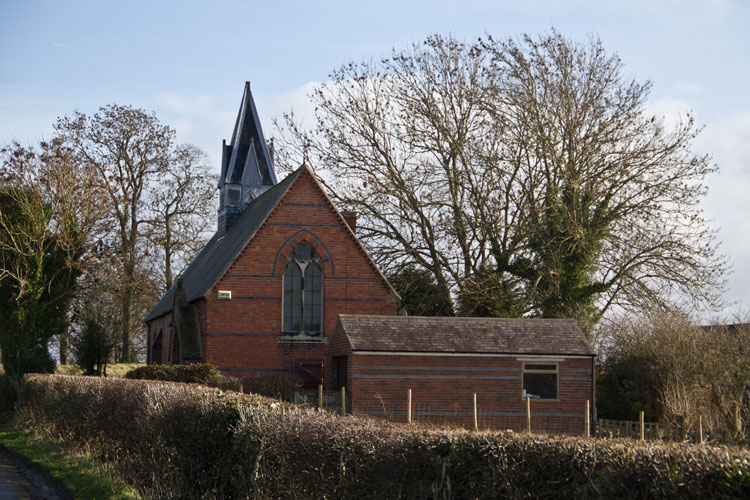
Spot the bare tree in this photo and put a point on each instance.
(129, 149)
(611, 194)
(678, 372)
(726, 375)
(399, 143)
(181, 207)
(528, 167)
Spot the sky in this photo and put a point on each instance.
(188, 61)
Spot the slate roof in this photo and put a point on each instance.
(463, 335)
(220, 252)
(246, 158)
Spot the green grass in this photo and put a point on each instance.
(113, 370)
(84, 478)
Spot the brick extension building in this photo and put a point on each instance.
(444, 361)
(285, 270)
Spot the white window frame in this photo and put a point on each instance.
(556, 372)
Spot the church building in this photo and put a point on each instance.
(264, 294)
(285, 287)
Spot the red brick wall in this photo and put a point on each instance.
(242, 335)
(338, 346)
(442, 388)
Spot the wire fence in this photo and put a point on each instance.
(327, 400)
(341, 402)
(608, 429)
(623, 428)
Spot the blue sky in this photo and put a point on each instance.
(188, 60)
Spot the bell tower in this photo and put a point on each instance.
(246, 164)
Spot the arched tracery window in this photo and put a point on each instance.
(303, 293)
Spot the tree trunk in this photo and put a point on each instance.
(126, 354)
(127, 301)
(62, 340)
(168, 252)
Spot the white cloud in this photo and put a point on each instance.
(197, 120)
(28, 120)
(714, 9)
(62, 46)
(686, 88)
(195, 105)
(297, 100)
(728, 200)
(670, 108)
(727, 203)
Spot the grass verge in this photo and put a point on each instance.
(84, 478)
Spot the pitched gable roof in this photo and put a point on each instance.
(463, 335)
(220, 252)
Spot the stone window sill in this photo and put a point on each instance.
(311, 339)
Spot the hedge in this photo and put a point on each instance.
(199, 373)
(185, 441)
(280, 386)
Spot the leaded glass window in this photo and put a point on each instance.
(303, 293)
(292, 297)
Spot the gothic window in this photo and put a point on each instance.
(303, 293)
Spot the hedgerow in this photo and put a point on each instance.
(199, 373)
(185, 441)
(281, 386)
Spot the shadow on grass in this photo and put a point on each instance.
(84, 478)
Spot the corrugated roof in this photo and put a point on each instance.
(463, 335)
(219, 253)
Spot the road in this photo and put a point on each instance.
(13, 486)
(19, 480)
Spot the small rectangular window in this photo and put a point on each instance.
(540, 381)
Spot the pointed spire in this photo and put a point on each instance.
(246, 164)
(246, 137)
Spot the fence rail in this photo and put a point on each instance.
(331, 400)
(603, 428)
(625, 428)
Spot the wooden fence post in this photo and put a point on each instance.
(528, 414)
(408, 406)
(642, 430)
(588, 420)
(343, 400)
(320, 396)
(476, 426)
